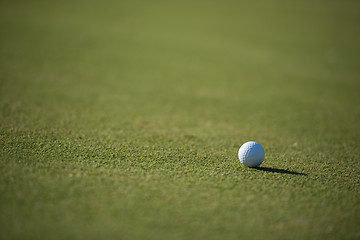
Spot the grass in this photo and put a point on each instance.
(122, 120)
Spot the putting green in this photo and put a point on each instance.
(122, 119)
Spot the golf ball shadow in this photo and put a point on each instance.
(278, 170)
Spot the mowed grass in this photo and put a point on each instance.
(122, 119)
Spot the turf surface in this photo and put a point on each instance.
(122, 120)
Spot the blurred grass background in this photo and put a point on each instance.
(122, 119)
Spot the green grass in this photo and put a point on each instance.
(122, 120)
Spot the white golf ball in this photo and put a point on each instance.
(251, 154)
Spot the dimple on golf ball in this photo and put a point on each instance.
(251, 154)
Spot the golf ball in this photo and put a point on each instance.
(251, 154)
